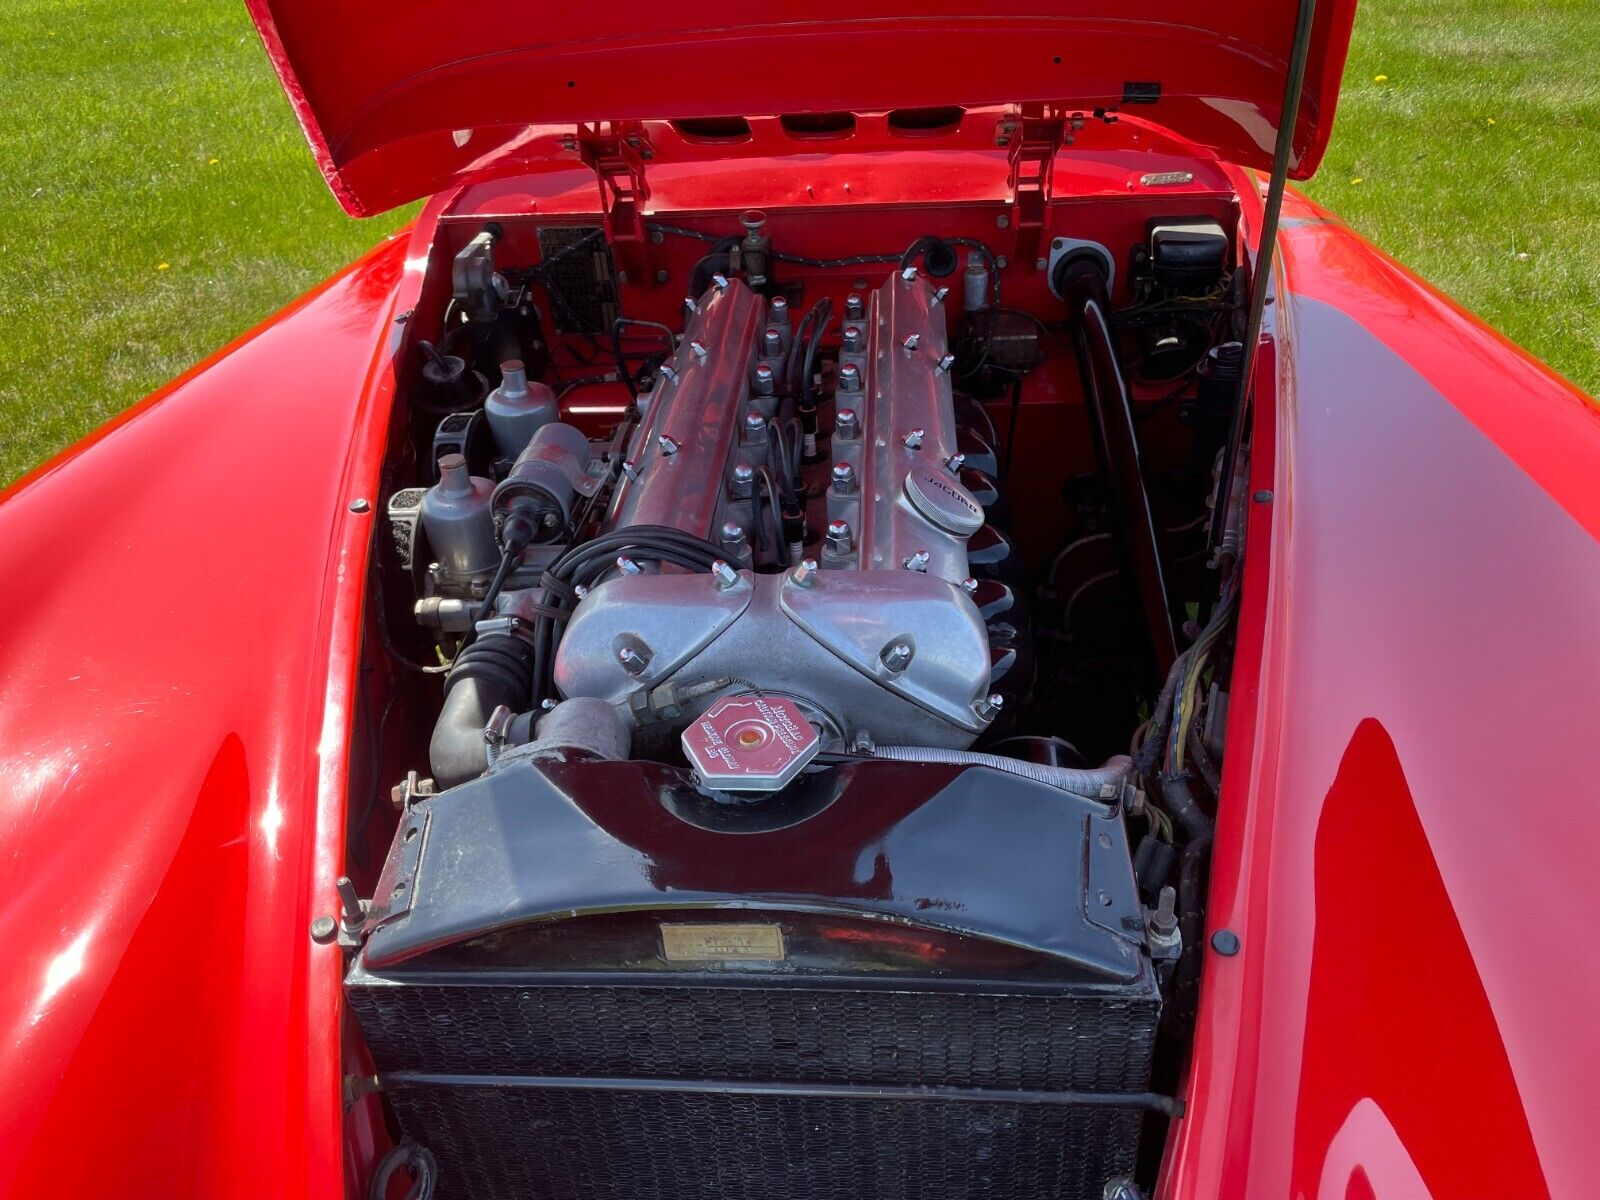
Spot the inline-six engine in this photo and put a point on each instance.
(880, 628)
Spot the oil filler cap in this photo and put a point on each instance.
(939, 497)
(751, 743)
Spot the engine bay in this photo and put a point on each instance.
(819, 633)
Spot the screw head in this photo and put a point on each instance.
(969, 585)
(323, 930)
(359, 506)
(1262, 497)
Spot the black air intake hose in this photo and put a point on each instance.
(496, 669)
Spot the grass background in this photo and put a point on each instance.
(156, 196)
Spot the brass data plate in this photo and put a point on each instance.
(722, 943)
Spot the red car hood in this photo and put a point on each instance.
(402, 100)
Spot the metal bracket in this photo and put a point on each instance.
(1032, 134)
(618, 151)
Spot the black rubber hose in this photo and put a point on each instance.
(1192, 928)
(496, 669)
(1180, 805)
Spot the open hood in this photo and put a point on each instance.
(400, 100)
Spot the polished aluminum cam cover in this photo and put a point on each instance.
(750, 743)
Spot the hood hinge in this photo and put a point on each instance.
(618, 151)
(1033, 133)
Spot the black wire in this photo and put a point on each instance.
(779, 546)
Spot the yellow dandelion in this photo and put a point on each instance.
(163, 266)
(1358, 179)
(1489, 120)
(1380, 79)
(211, 162)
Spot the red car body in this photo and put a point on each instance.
(1405, 836)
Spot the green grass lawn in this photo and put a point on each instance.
(156, 197)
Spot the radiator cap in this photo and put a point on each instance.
(750, 743)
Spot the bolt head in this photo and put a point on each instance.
(913, 440)
(324, 930)
(805, 575)
(359, 506)
(720, 282)
(732, 531)
(913, 340)
(896, 656)
(849, 378)
(918, 561)
(946, 361)
(846, 423)
(909, 274)
(724, 574)
(744, 473)
(844, 477)
(969, 585)
(668, 446)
